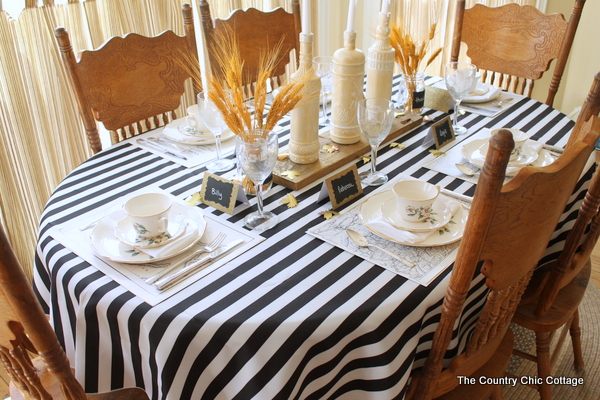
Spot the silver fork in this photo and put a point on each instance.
(212, 246)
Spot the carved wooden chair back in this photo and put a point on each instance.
(590, 107)
(513, 45)
(25, 331)
(507, 232)
(134, 83)
(257, 33)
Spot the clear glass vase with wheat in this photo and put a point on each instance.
(242, 115)
(412, 55)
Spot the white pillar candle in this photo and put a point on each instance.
(351, 11)
(385, 6)
(306, 17)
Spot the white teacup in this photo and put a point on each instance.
(194, 121)
(149, 213)
(414, 199)
(519, 137)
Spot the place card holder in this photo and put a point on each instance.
(221, 193)
(341, 187)
(441, 133)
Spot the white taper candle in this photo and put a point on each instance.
(306, 17)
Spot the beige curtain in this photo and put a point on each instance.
(418, 15)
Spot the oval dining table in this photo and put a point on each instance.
(294, 317)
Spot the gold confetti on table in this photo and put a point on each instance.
(329, 214)
(290, 200)
(397, 145)
(437, 153)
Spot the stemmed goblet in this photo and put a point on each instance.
(459, 80)
(256, 151)
(375, 118)
(212, 118)
(323, 67)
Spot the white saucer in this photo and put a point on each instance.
(452, 232)
(172, 131)
(126, 233)
(190, 131)
(527, 156)
(104, 242)
(484, 92)
(440, 216)
(471, 153)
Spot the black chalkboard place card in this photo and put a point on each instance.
(441, 133)
(220, 193)
(342, 187)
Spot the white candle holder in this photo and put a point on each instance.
(380, 62)
(304, 143)
(348, 78)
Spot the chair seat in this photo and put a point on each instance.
(494, 368)
(566, 303)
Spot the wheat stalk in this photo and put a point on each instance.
(410, 54)
(233, 107)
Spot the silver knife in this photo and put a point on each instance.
(160, 148)
(197, 266)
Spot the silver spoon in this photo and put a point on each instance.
(465, 170)
(361, 241)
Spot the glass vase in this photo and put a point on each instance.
(411, 92)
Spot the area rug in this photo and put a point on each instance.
(589, 319)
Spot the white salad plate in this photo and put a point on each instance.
(440, 216)
(174, 132)
(450, 233)
(105, 243)
(126, 232)
(471, 151)
(483, 93)
(528, 155)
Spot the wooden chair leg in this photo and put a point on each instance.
(497, 393)
(543, 363)
(575, 332)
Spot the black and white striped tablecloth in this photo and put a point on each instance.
(293, 318)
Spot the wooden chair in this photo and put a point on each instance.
(134, 83)
(257, 32)
(552, 299)
(514, 45)
(590, 107)
(507, 232)
(25, 330)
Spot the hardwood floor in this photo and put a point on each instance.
(595, 279)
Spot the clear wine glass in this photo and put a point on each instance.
(459, 80)
(323, 67)
(375, 118)
(257, 154)
(212, 118)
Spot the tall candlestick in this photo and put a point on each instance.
(304, 142)
(351, 11)
(380, 61)
(306, 17)
(385, 6)
(348, 78)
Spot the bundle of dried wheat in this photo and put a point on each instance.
(410, 54)
(234, 109)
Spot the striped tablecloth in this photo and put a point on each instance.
(292, 318)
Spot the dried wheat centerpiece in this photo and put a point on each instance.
(410, 55)
(236, 111)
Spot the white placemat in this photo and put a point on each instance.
(132, 276)
(429, 261)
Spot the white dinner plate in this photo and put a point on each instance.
(471, 152)
(105, 243)
(440, 216)
(452, 232)
(172, 131)
(126, 233)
